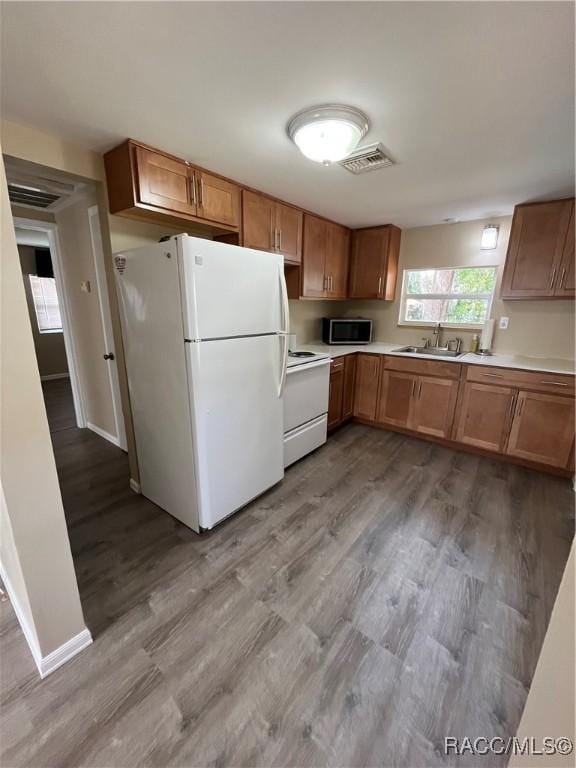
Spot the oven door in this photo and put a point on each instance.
(306, 393)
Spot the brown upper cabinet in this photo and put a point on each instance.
(325, 259)
(540, 258)
(217, 199)
(374, 263)
(272, 226)
(163, 182)
(146, 183)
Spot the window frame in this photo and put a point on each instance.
(404, 296)
(32, 277)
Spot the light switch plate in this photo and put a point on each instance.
(85, 286)
(503, 324)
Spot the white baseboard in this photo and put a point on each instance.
(135, 486)
(52, 376)
(62, 654)
(102, 432)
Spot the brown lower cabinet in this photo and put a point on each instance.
(519, 416)
(433, 406)
(336, 393)
(341, 398)
(485, 415)
(422, 403)
(366, 389)
(542, 429)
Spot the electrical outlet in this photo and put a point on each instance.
(503, 324)
(85, 286)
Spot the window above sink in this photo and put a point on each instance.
(457, 297)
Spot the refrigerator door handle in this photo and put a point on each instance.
(285, 305)
(283, 364)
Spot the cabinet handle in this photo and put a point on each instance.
(379, 285)
(201, 199)
(512, 404)
(413, 387)
(552, 276)
(419, 390)
(520, 407)
(325, 283)
(193, 188)
(562, 276)
(494, 375)
(330, 283)
(279, 239)
(555, 383)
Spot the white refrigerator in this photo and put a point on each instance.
(205, 333)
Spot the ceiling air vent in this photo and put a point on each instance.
(24, 195)
(365, 159)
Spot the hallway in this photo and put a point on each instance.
(59, 404)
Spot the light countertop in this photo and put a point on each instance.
(523, 362)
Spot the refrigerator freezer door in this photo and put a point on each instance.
(230, 291)
(237, 421)
(151, 316)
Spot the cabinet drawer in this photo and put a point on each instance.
(543, 382)
(422, 367)
(337, 364)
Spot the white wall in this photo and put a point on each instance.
(550, 709)
(538, 328)
(35, 548)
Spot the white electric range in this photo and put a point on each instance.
(305, 404)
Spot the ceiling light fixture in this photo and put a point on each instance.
(327, 134)
(489, 239)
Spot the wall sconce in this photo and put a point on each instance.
(489, 239)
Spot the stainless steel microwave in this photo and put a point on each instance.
(346, 330)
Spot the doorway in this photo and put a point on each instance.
(65, 282)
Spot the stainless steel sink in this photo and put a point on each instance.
(434, 351)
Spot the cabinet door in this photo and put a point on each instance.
(484, 417)
(566, 279)
(366, 389)
(337, 258)
(367, 263)
(164, 182)
(289, 222)
(218, 199)
(258, 219)
(336, 396)
(396, 398)
(543, 428)
(349, 383)
(314, 257)
(535, 249)
(434, 404)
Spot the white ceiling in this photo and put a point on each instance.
(475, 101)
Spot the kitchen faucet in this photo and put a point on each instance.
(437, 333)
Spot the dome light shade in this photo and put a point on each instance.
(329, 133)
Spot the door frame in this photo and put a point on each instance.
(51, 230)
(106, 319)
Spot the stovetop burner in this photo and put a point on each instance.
(301, 354)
